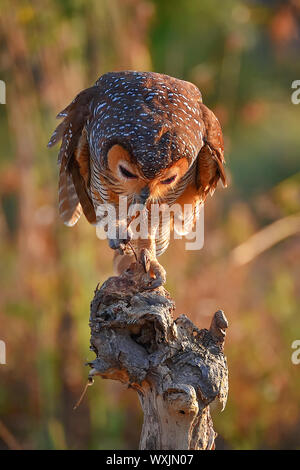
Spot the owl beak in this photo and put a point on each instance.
(144, 195)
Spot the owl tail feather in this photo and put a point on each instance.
(80, 187)
(69, 206)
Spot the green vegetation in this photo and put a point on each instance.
(244, 57)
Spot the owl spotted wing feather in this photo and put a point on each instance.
(73, 157)
(210, 161)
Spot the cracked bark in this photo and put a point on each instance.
(176, 368)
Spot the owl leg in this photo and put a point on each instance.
(155, 273)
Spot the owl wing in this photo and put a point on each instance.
(209, 169)
(70, 208)
(210, 160)
(74, 158)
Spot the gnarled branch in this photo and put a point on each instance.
(176, 368)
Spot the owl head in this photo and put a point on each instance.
(129, 179)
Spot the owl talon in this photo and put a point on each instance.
(156, 275)
(121, 249)
(115, 244)
(145, 260)
(119, 243)
(155, 283)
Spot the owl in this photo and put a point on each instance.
(145, 138)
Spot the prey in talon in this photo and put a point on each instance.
(156, 275)
(145, 138)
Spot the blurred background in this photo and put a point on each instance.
(244, 56)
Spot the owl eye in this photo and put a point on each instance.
(126, 173)
(169, 180)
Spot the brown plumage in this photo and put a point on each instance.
(144, 135)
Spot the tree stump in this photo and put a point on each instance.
(176, 368)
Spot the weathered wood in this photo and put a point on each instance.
(176, 368)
